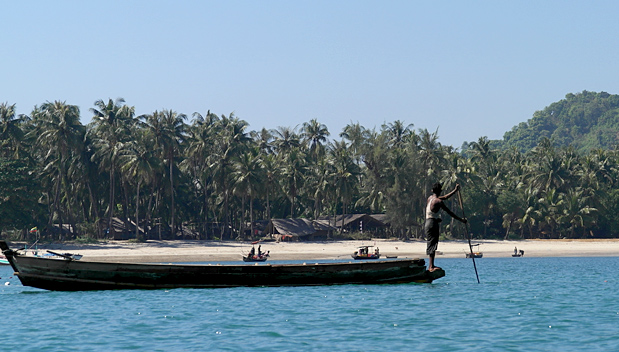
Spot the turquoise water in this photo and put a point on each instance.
(522, 304)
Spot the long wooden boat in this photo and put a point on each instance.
(67, 274)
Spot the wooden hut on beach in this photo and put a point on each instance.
(375, 223)
(297, 229)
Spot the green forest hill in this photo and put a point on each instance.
(586, 121)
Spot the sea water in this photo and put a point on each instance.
(521, 304)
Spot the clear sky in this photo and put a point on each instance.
(467, 68)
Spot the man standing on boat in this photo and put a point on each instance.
(433, 219)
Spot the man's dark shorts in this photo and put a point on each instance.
(432, 233)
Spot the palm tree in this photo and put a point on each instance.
(510, 200)
(345, 175)
(550, 172)
(293, 170)
(431, 157)
(89, 183)
(317, 184)
(233, 141)
(264, 139)
(248, 177)
(168, 130)
(138, 163)
(392, 175)
(483, 156)
(285, 140)
(402, 186)
(577, 212)
(110, 129)
(59, 133)
(551, 209)
(271, 175)
(201, 143)
(397, 132)
(11, 133)
(374, 199)
(314, 136)
(594, 172)
(357, 135)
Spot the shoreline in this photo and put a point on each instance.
(203, 251)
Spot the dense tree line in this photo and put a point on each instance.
(213, 176)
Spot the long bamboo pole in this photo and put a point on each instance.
(468, 235)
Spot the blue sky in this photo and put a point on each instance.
(467, 68)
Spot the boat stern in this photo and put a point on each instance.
(429, 276)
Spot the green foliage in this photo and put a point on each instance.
(609, 214)
(19, 192)
(86, 240)
(551, 177)
(586, 121)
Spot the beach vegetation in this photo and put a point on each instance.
(168, 176)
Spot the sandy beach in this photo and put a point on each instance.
(190, 251)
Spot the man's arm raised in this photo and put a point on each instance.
(448, 195)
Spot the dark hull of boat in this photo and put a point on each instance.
(362, 257)
(261, 259)
(72, 275)
(474, 255)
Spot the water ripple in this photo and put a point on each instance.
(522, 304)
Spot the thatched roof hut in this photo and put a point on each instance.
(119, 232)
(356, 222)
(296, 229)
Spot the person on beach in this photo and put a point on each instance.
(433, 207)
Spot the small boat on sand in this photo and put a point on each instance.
(3, 260)
(67, 274)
